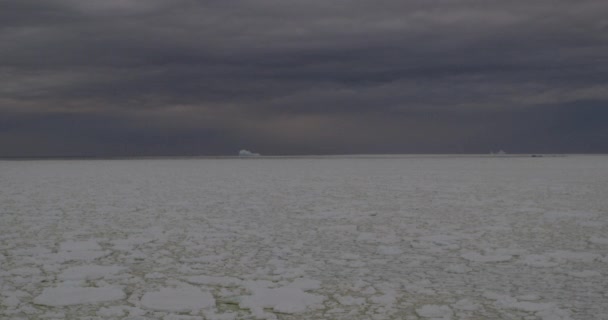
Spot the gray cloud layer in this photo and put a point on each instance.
(184, 77)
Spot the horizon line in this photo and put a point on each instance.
(354, 155)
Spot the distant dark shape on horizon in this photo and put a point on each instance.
(182, 77)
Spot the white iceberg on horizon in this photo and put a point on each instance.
(247, 153)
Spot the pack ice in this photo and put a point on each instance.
(386, 237)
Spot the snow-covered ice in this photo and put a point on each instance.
(65, 296)
(281, 300)
(87, 272)
(403, 237)
(435, 312)
(177, 299)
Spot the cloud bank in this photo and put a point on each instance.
(186, 77)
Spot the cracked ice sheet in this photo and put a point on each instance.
(349, 238)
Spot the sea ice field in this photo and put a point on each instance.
(401, 237)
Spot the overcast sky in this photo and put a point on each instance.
(185, 77)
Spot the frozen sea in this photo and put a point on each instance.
(401, 237)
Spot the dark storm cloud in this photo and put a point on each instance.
(282, 77)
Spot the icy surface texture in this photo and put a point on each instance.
(305, 238)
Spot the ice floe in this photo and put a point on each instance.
(435, 312)
(67, 295)
(88, 272)
(178, 299)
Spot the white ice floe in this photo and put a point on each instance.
(130, 243)
(437, 242)
(350, 300)
(389, 250)
(215, 281)
(281, 300)
(531, 306)
(466, 305)
(385, 299)
(80, 250)
(88, 272)
(540, 261)
(458, 268)
(349, 228)
(555, 216)
(435, 312)
(73, 246)
(11, 301)
(177, 299)
(112, 312)
(25, 271)
(305, 284)
(575, 256)
(554, 314)
(544, 310)
(598, 240)
(585, 273)
(477, 257)
(65, 296)
(384, 238)
(528, 297)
